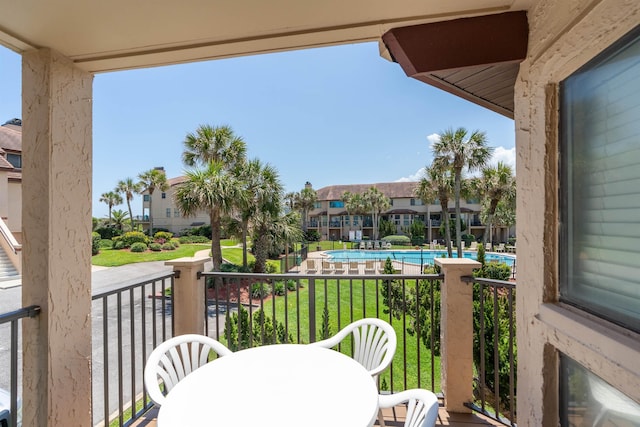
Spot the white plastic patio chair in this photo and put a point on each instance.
(176, 358)
(422, 406)
(374, 344)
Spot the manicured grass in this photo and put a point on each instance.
(114, 257)
(228, 242)
(234, 256)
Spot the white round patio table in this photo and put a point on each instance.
(285, 385)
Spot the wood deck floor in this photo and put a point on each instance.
(393, 417)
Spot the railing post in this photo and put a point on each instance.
(188, 295)
(456, 332)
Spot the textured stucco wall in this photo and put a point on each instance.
(15, 207)
(57, 116)
(564, 35)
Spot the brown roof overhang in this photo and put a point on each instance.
(474, 58)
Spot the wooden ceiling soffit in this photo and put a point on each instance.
(475, 58)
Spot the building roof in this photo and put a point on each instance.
(11, 138)
(393, 190)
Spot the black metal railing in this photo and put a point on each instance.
(129, 322)
(12, 319)
(245, 310)
(494, 349)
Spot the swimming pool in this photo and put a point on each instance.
(412, 256)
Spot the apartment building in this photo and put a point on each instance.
(11, 175)
(333, 222)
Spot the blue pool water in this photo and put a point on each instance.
(412, 256)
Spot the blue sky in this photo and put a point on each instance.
(335, 115)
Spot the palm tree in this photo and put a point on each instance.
(212, 189)
(437, 185)
(111, 198)
(119, 216)
(128, 188)
(271, 232)
(354, 204)
(149, 181)
(261, 191)
(455, 151)
(304, 202)
(377, 202)
(213, 143)
(495, 185)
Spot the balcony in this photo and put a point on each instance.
(129, 321)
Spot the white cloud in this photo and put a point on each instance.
(433, 138)
(412, 178)
(504, 155)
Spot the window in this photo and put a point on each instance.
(580, 389)
(336, 204)
(317, 205)
(416, 202)
(164, 195)
(145, 198)
(176, 213)
(15, 160)
(168, 212)
(600, 185)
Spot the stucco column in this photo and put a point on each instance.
(188, 295)
(56, 220)
(456, 332)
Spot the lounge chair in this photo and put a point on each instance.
(500, 247)
(326, 267)
(370, 267)
(361, 246)
(387, 245)
(311, 266)
(338, 267)
(377, 245)
(353, 267)
(487, 247)
(369, 246)
(473, 246)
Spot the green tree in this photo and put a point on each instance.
(119, 218)
(354, 204)
(304, 202)
(271, 232)
(437, 184)
(111, 198)
(128, 187)
(375, 202)
(150, 181)
(210, 143)
(496, 184)
(261, 190)
(214, 190)
(456, 150)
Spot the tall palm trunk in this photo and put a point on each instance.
(245, 228)
(444, 204)
(130, 213)
(150, 213)
(216, 251)
(487, 229)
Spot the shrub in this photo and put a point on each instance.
(175, 243)
(228, 268)
(496, 270)
(138, 247)
(118, 244)
(204, 230)
(95, 243)
(167, 247)
(108, 232)
(259, 290)
(291, 285)
(312, 236)
(131, 237)
(106, 244)
(278, 288)
(396, 239)
(156, 247)
(162, 236)
(194, 239)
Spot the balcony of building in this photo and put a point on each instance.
(129, 321)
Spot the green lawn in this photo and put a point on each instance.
(114, 258)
